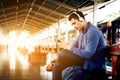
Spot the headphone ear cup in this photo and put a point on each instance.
(81, 19)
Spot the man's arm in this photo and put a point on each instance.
(89, 50)
(75, 43)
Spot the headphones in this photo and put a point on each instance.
(80, 18)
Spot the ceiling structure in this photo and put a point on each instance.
(37, 15)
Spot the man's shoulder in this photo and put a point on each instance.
(92, 30)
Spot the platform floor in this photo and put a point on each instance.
(15, 66)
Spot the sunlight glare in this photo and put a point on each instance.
(23, 61)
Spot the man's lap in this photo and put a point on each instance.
(78, 73)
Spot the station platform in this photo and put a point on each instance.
(16, 66)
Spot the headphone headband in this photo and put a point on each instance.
(80, 18)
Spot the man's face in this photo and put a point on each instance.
(76, 24)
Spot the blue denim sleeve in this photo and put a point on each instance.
(92, 40)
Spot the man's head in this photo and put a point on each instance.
(77, 20)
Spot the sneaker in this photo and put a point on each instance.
(49, 67)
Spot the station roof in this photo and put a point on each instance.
(37, 15)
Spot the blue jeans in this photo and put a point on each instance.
(65, 59)
(61, 72)
(74, 73)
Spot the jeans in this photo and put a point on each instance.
(74, 73)
(65, 59)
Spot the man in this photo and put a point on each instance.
(88, 44)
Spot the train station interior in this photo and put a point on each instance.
(32, 33)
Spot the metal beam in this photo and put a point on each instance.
(46, 16)
(39, 19)
(63, 5)
(35, 25)
(38, 23)
(50, 10)
(12, 21)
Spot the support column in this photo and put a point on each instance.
(48, 40)
(58, 37)
(66, 32)
(95, 12)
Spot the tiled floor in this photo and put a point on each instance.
(15, 66)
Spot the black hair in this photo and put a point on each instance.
(75, 15)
